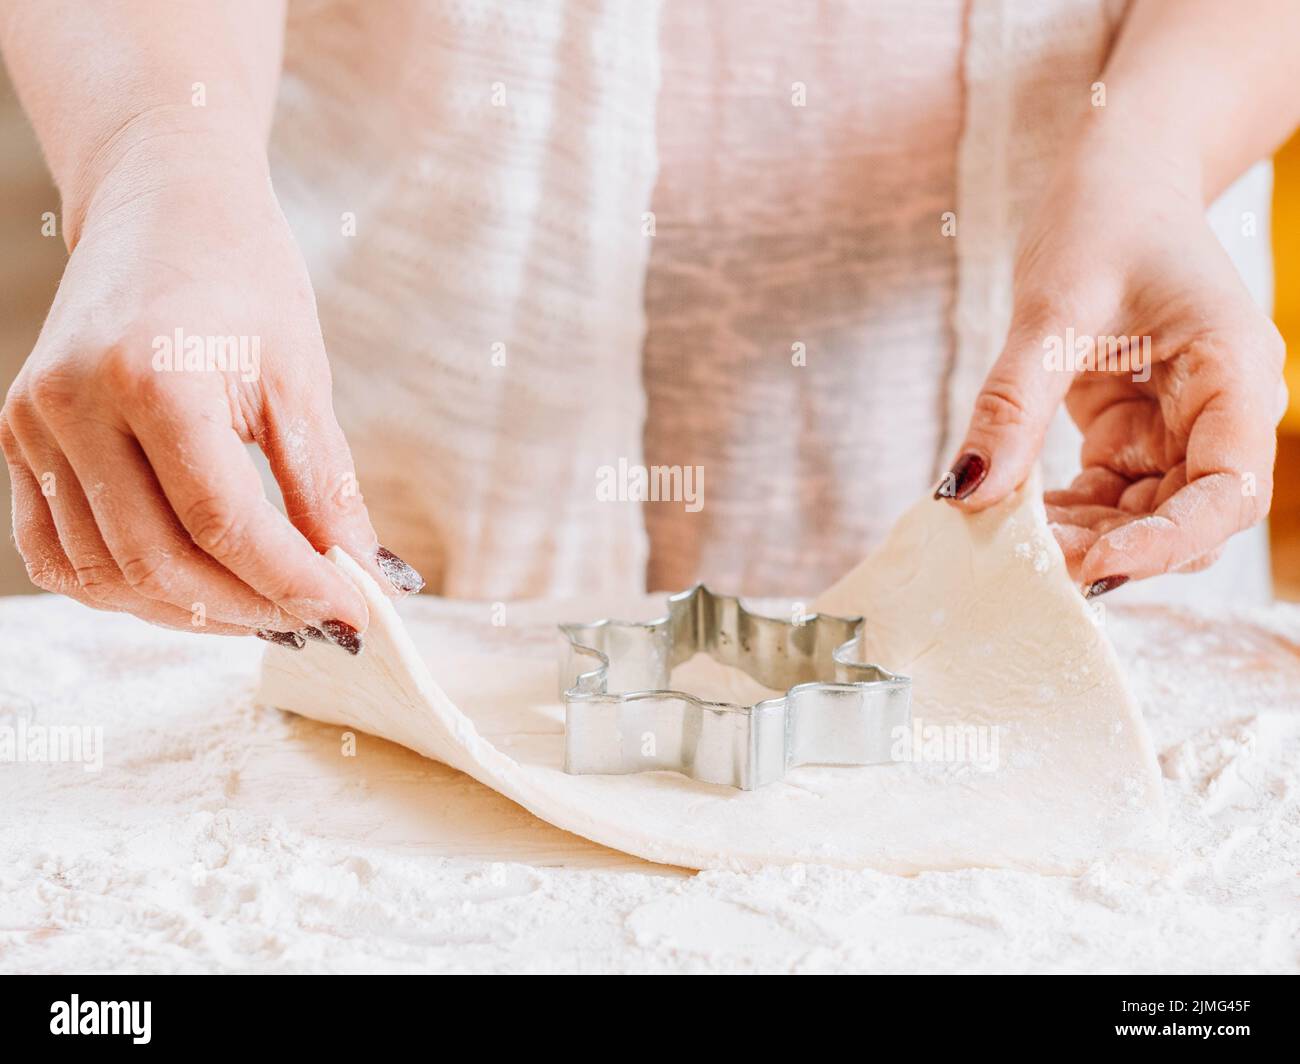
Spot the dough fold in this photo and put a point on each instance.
(1027, 750)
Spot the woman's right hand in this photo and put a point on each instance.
(133, 488)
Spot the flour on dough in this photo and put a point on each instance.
(979, 611)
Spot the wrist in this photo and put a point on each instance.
(1114, 148)
(161, 148)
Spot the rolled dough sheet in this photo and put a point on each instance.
(979, 611)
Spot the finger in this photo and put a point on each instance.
(155, 554)
(57, 507)
(49, 567)
(1140, 496)
(1129, 438)
(1229, 483)
(1097, 518)
(1171, 483)
(156, 557)
(1096, 485)
(1011, 415)
(1203, 562)
(35, 536)
(210, 481)
(312, 464)
(1074, 542)
(1188, 525)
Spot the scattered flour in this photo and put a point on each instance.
(222, 836)
(1036, 553)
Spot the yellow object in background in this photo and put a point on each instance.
(1286, 260)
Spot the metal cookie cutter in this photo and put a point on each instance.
(620, 716)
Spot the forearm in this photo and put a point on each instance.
(1202, 87)
(100, 79)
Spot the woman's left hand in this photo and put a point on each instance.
(1178, 448)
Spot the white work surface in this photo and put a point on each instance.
(225, 836)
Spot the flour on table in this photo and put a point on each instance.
(224, 836)
(1027, 751)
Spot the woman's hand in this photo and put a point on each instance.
(184, 328)
(1178, 447)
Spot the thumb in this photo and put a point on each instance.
(312, 464)
(1016, 404)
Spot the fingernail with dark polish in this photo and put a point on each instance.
(1106, 583)
(966, 475)
(283, 639)
(399, 574)
(341, 634)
